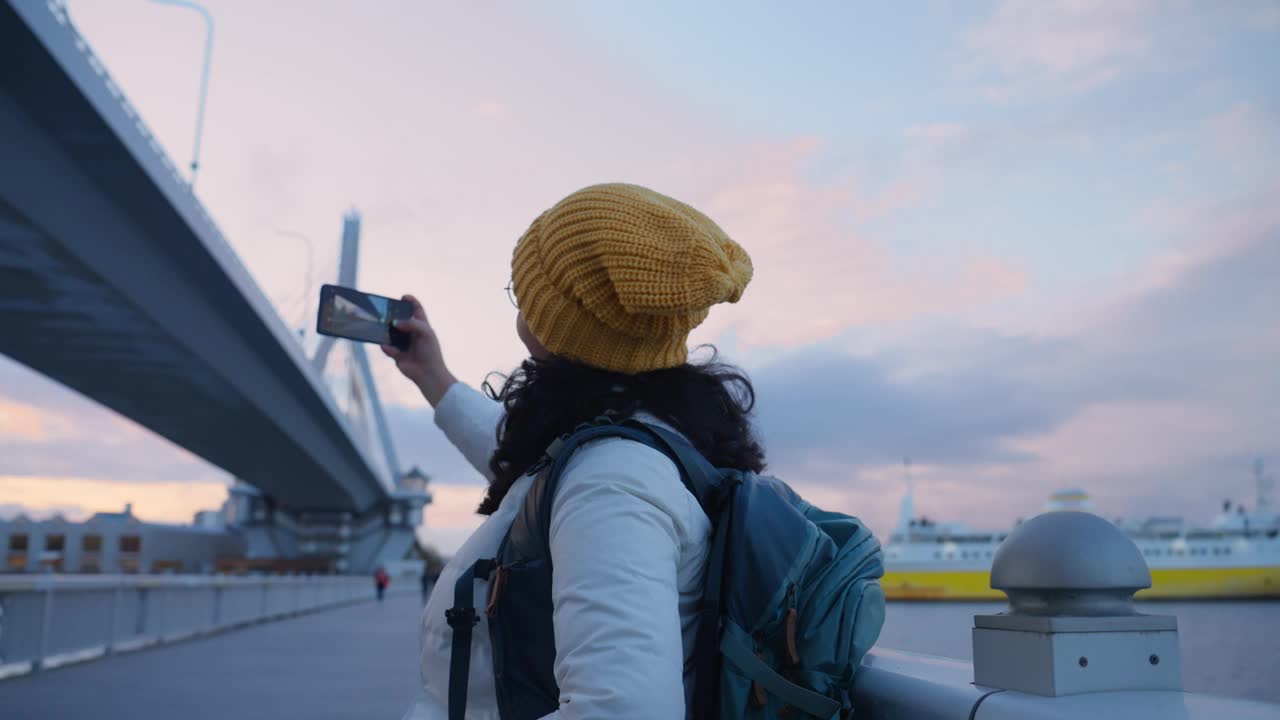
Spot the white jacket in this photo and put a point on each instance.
(628, 544)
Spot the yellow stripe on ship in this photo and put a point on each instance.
(1182, 583)
(938, 585)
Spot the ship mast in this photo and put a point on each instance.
(907, 510)
(1265, 484)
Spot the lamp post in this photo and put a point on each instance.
(204, 76)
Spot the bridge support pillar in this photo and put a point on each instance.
(340, 542)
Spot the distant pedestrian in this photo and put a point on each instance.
(380, 581)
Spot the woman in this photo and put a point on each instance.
(609, 283)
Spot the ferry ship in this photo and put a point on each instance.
(1236, 555)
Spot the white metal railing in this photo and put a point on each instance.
(892, 684)
(52, 620)
(897, 684)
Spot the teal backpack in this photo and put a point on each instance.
(791, 600)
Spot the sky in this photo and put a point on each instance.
(1030, 244)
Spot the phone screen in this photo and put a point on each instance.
(348, 313)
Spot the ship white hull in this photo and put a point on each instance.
(1236, 556)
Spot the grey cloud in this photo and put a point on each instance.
(1199, 341)
(823, 400)
(419, 442)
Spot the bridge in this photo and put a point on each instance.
(116, 282)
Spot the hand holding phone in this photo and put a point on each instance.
(349, 313)
(423, 363)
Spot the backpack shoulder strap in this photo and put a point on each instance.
(462, 619)
(535, 517)
(715, 492)
(699, 476)
(530, 533)
(529, 536)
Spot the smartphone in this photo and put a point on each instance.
(348, 313)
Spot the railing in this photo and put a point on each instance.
(896, 684)
(893, 685)
(51, 620)
(1070, 646)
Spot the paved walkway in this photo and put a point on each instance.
(359, 661)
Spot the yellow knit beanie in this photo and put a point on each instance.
(616, 276)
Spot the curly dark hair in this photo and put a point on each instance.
(709, 402)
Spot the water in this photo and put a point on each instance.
(1228, 648)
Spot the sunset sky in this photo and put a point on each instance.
(1028, 244)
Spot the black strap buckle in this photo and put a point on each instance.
(461, 616)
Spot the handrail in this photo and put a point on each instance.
(51, 620)
(895, 684)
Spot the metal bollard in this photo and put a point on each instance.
(1071, 626)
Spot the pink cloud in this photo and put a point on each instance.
(1267, 17)
(987, 279)
(819, 270)
(49, 430)
(445, 194)
(21, 420)
(451, 517)
(1133, 438)
(988, 496)
(1199, 231)
(1172, 456)
(79, 497)
(489, 109)
(931, 137)
(1065, 45)
(1245, 137)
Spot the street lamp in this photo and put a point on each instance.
(204, 76)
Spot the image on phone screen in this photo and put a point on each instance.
(355, 315)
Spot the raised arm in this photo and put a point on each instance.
(468, 419)
(423, 363)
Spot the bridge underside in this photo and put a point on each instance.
(113, 282)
